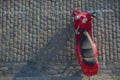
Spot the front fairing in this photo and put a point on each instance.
(79, 22)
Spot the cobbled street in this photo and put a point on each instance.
(37, 39)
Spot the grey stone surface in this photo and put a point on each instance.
(37, 39)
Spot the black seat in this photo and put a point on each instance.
(87, 49)
(87, 53)
(85, 41)
(89, 61)
(86, 45)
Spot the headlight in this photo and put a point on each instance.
(84, 20)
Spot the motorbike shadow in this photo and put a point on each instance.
(56, 58)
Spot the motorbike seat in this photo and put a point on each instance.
(90, 61)
(87, 49)
(86, 42)
(87, 53)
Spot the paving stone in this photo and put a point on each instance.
(43, 25)
(4, 68)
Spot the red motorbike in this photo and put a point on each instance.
(86, 49)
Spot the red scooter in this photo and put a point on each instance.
(86, 50)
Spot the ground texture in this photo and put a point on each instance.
(37, 39)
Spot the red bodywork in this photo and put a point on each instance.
(78, 24)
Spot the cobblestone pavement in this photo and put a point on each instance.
(37, 39)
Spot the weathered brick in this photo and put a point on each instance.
(5, 68)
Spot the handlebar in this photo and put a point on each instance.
(92, 13)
